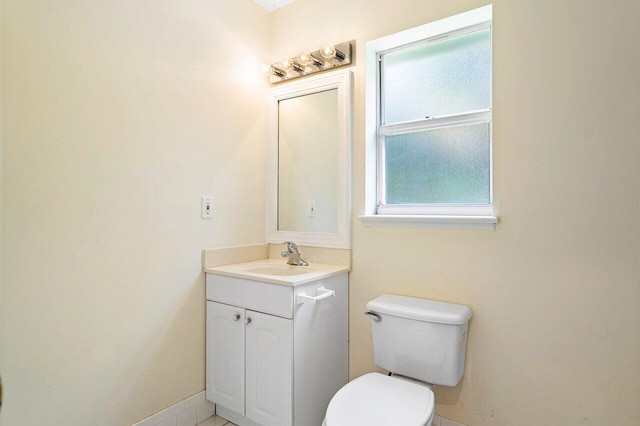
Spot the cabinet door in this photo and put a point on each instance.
(269, 369)
(225, 356)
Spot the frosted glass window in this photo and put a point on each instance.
(446, 165)
(437, 78)
(429, 117)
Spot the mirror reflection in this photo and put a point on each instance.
(308, 163)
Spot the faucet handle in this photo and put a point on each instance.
(291, 246)
(293, 255)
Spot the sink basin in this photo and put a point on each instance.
(276, 271)
(280, 271)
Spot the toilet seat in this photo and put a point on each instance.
(378, 400)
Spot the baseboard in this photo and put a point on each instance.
(234, 417)
(441, 421)
(188, 412)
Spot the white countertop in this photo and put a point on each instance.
(277, 271)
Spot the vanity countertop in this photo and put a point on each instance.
(276, 271)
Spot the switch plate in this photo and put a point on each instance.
(207, 208)
(312, 209)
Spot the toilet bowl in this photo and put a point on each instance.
(379, 400)
(420, 341)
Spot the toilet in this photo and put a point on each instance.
(421, 343)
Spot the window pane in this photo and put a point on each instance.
(438, 78)
(447, 165)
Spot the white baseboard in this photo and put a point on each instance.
(441, 421)
(188, 412)
(234, 417)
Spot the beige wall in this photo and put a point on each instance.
(555, 338)
(119, 115)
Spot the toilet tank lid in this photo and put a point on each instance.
(420, 309)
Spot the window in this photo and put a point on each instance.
(429, 125)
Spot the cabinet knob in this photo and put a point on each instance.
(247, 320)
(236, 317)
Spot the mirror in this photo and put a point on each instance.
(307, 163)
(308, 198)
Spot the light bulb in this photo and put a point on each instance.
(271, 70)
(305, 59)
(308, 59)
(328, 52)
(291, 64)
(286, 64)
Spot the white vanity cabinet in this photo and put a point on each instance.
(276, 353)
(249, 355)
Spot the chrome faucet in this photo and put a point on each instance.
(293, 255)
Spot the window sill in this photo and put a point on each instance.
(431, 221)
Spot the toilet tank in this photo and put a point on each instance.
(419, 338)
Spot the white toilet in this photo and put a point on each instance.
(421, 342)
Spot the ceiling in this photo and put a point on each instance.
(272, 5)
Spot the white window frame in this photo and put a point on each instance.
(467, 216)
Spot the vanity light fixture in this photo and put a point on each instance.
(327, 58)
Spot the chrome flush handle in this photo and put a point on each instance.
(373, 316)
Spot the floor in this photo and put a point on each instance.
(216, 421)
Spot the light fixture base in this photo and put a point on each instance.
(318, 63)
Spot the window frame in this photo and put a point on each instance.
(472, 216)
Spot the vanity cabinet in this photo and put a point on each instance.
(225, 364)
(250, 356)
(270, 360)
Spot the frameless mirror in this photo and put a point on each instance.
(309, 162)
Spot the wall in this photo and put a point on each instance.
(119, 115)
(555, 337)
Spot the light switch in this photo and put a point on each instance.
(207, 208)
